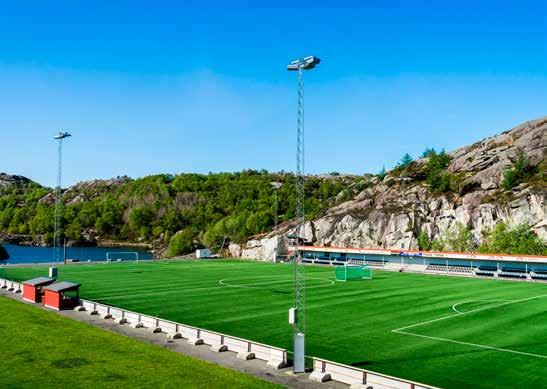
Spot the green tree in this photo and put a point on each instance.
(43, 219)
(437, 176)
(428, 151)
(382, 173)
(405, 161)
(424, 242)
(181, 243)
(457, 238)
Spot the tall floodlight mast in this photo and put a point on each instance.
(57, 248)
(297, 314)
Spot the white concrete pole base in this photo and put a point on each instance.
(155, 330)
(176, 335)
(246, 356)
(319, 376)
(277, 364)
(195, 341)
(107, 316)
(137, 325)
(360, 385)
(79, 308)
(123, 320)
(92, 313)
(219, 348)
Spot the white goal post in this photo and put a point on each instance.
(119, 256)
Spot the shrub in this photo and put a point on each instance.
(518, 240)
(519, 172)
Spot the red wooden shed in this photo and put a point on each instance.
(56, 297)
(32, 289)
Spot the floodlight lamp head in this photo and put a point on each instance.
(305, 63)
(62, 135)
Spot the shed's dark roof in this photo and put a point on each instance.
(62, 286)
(39, 281)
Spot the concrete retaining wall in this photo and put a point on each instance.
(11, 286)
(275, 356)
(360, 377)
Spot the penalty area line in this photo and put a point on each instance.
(471, 344)
(401, 330)
(467, 313)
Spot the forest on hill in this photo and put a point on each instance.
(202, 209)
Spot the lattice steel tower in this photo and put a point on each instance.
(298, 313)
(57, 248)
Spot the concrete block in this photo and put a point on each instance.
(155, 330)
(107, 316)
(93, 312)
(10, 289)
(79, 308)
(319, 376)
(123, 320)
(195, 341)
(219, 348)
(246, 356)
(176, 335)
(137, 325)
(277, 364)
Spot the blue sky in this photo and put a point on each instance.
(150, 87)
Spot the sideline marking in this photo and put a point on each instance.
(401, 330)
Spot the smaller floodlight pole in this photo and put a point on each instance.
(275, 186)
(58, 203)
(297, 314)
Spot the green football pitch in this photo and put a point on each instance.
(446, 331)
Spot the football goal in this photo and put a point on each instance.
(119, 256)
(351, 272)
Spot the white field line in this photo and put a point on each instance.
(401, 330)
(475, 301)
(255, 285)
(202, 288)
(468, 312)
(473, 344)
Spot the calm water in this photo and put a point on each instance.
(23, 254)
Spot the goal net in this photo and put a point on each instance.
(118, 256)
(350, 272)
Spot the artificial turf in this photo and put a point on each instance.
(40, 349)
(475, 332)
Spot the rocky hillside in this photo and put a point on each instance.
(394, 210)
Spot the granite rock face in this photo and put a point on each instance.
(391, 213)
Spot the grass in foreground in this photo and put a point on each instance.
(499, 339)
(44, 350)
